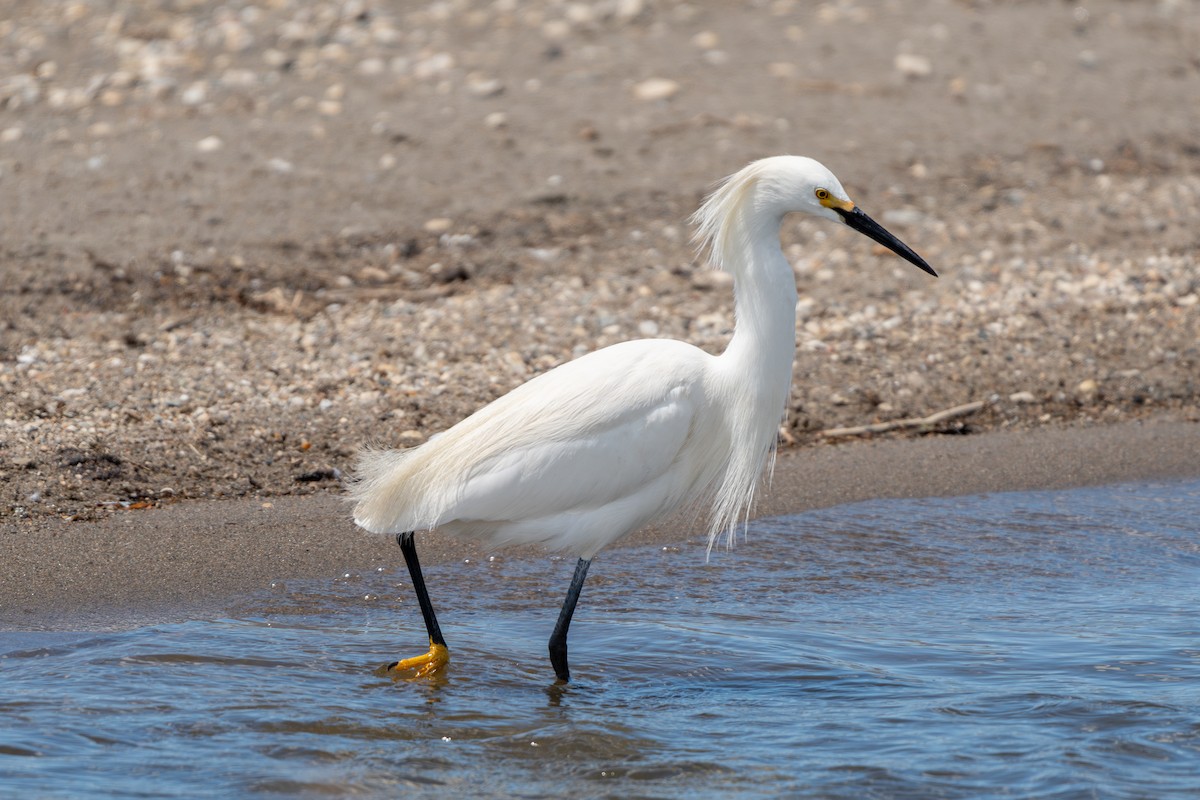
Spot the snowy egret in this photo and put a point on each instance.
(600, 446)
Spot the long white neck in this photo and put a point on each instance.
(763, 346)
(755, 371)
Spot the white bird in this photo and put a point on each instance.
(598, 447)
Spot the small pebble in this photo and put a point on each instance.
(433, 66)
(485, 87)
(194, 94)
(655, 89)
(913, 66)
(372, 67)
(902, 217)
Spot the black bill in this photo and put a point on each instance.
(860, 222)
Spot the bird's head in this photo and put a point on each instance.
(802, 184)
(772, 187)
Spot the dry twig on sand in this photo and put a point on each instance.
(912, 422)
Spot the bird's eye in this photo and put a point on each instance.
(822, 194)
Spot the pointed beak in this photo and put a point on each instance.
(856, 219)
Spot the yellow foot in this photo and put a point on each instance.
(428, 664)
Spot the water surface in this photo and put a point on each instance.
(1019, 645)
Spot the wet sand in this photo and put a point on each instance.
(205, 557)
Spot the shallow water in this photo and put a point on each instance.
(1024, 644)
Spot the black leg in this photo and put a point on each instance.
(409, 548)
(558, 639)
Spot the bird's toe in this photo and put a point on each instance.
(425, 665)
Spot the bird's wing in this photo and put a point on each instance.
(584, 435)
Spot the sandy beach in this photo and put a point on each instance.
(238, 242)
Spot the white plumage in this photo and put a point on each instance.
(574, 459)
(598, 447)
